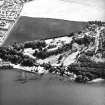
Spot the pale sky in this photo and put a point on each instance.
(76, 10)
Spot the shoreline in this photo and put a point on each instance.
(55, 76)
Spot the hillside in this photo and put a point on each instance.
(28, 28)
(79, 55)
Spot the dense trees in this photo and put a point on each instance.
(44, 53)
(15, 57)
(100, 23)
(8, 54)
(35, 44)
(86, 69)
(27, 62)
(86, 40)
(17, 46)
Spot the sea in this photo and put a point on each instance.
(23, 88)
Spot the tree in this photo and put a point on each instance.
(27, 62)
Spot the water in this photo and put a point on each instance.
(14, 90)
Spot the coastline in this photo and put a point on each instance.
(52, 76)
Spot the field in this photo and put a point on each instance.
(28, 28)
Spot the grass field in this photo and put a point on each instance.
(28, 28)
